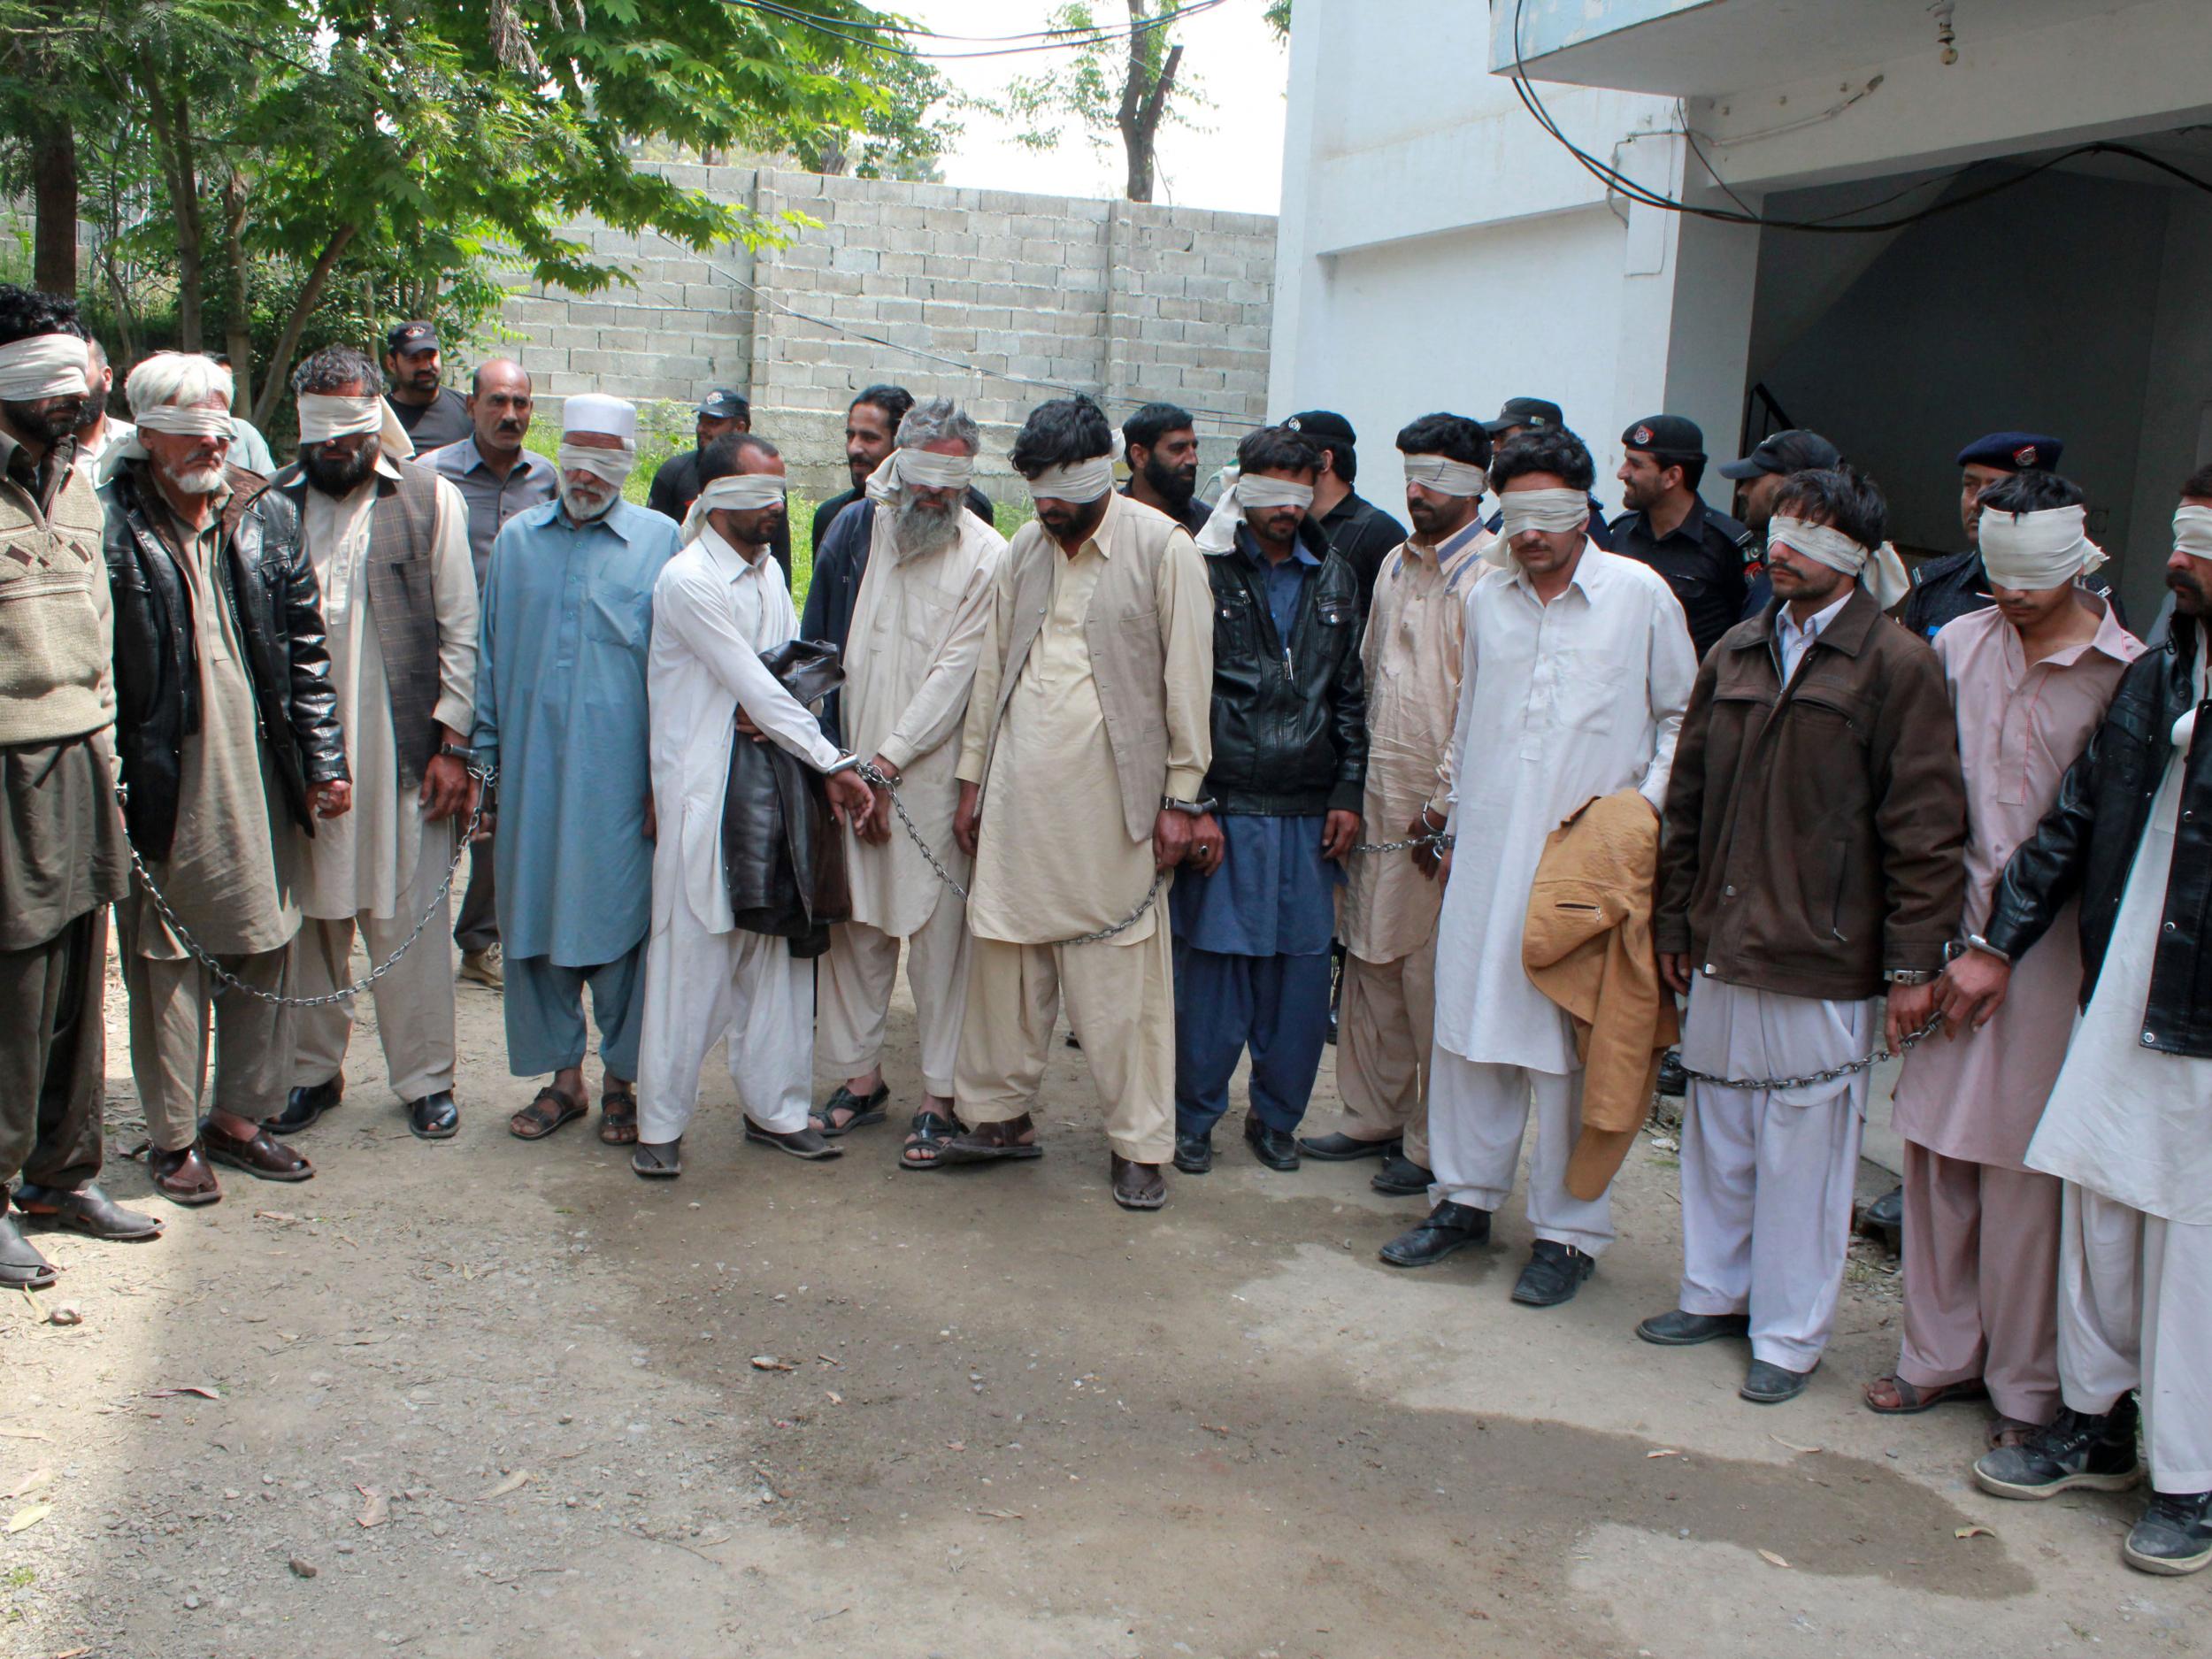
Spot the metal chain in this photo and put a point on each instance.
(232, 982)
(870, 775)
(1439, 840)
(1777, 1085)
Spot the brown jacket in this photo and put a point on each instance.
(1815, 835)
(1587, 946)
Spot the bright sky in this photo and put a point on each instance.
(1235, 162)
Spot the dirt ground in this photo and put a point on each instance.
(487, 1398)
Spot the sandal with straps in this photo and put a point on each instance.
(549, 1111)
(618, 1116)
(925, 1140)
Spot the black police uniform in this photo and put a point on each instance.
(1702, 560)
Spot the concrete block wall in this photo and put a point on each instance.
(1124, 301)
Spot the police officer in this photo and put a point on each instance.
(1535, 414)
(1947, 589)
(1357, 531)
(1668, 526)
(1757, 477)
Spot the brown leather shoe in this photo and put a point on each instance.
(183, 1177)
(264, 1157)
(1138, 1186)
(993, 1143)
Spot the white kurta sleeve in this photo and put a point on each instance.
(1462, 724)
(453, 601)
(941, 701)
(701, 618)
(1670, 670)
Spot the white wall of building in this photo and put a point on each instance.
(1436, 248)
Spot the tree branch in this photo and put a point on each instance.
(303, 308)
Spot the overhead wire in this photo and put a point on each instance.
(1833, 224)
(1037, 40)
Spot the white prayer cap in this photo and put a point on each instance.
(593, 411)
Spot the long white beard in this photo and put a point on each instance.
(582, 507)
(922, 529)
(195, 480)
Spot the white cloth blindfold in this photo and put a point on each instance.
(2193, 532)
(44, 365)
(1878, 570)
(735, 492)
(1444, 476)
(609, 466)
(202, 420)
(324, 416)
(1083, 483)
(924, 469)
(1551, 511)
(2044, 548)
(1219, 535)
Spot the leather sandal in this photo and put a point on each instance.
(21, 1266)
(1138, 1186)
(1912, 1399)
(264, 1157)
(858, 1113)
(925, 1140)
(806, 1143)
(183, 1177)
(85, 1209)
(659, 1160)
(993, 1143)
(547, 1111)
(617, 1115)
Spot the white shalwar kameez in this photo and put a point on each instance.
(917, 634)
(377, 870)
(713, 615)
(1558, 703)
(2128, 1130)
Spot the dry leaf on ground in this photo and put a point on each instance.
(29, 1484)
(515, 1482)
(769, 1362)
(375, 1509)
(200, 1389)
(29, 1517)
(1664, 1451)
(1973, 1531)
(1771, 1559)
(1793, 1445)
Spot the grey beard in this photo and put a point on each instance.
(922, 529)
(195, 480)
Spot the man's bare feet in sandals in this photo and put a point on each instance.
(855, 1103)
(1893, 1396)
(554, 1108)
(993, 1143)
(617, 1113)
(927, 1135)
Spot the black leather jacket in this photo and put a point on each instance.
(783, 856)
(270, 585)
(1289, 728)
(2087, 843)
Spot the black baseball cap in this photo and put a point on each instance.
(724, 405)
(1532, 412)
(1664, 435)
(406, 339)
(2013, 451)
(1325, 425)
(1783, 452)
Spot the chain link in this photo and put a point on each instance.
(1834, 1074)
(230, 981)
(875, 779)
(1440, 840)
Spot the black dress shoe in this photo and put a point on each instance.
(434, 1116)
(85, 1209)
(1676, 1329)
(305, 1106)
(1343, 1148)
(1767, 1384)
(1448, 1227)
(1674, 1082)
(1554, 1273)
(1278, 1148)
(1194, 1154)
(1884, 1219)
(1402, 1178)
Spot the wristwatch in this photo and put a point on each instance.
(1911, 976)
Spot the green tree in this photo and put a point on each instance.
(387, 147)
(1128, 84)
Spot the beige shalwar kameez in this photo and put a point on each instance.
(1386, 909)
(918, 628)
(379, 869)
(1056, 858)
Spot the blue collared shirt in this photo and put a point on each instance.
(492, 500)
(1284, 583)
(561, 713)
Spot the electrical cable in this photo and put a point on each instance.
(1053, 41)
(1618, 182)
